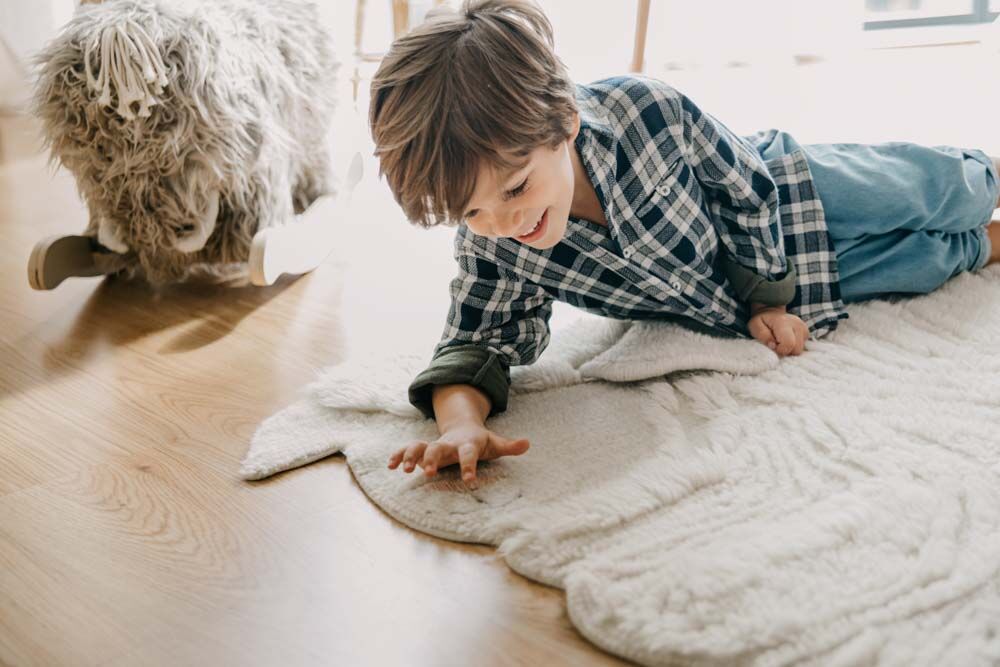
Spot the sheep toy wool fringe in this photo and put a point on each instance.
(189, 127)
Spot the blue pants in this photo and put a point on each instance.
(902, 218)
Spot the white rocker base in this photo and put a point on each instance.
(56, 258)
(295, 248)
(301, 246)
(298, 247)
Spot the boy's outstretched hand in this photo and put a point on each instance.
(779, 330)
(463, 444)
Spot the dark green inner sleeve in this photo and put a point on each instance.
(463, 364)
(753, 288)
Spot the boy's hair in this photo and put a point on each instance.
(468, 87)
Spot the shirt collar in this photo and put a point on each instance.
(595, 143)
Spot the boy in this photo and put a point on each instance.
(625, 199)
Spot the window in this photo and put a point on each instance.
(883, 14)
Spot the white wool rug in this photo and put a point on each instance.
(705, 502)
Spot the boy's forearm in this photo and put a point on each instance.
(457, 404)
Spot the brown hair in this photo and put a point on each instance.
(478, 84)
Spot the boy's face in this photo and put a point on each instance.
(542, 191)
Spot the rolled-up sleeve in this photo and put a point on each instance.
(496, 320)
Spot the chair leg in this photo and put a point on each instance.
(641, 24)
(359, 26)
(400, 17)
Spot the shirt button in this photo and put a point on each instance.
(627, 252)
(677, 286)
(663, 190)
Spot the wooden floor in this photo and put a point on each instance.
(126, 536)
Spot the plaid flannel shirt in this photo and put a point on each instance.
(699, 226)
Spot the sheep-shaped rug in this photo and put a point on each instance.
(196, 133)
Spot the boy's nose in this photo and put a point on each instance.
(511, 225)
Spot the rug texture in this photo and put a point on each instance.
(703, 501)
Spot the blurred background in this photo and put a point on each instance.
(125, 537)
(828, 70)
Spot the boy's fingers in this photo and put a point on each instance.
(785, 337)
(762, 333)
(413, 454)
(803, 336)
(397, 456)
(432, 458)
(467, 459)
(505, 447)
(425, 460)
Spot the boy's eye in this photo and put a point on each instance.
(507, 195)
(518, 190)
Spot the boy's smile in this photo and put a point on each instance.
(532, 204)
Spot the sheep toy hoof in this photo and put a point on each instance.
(56, 258)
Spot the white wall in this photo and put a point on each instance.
(25, 25)
(11, 81)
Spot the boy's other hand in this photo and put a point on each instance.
(779, 330)
(464, 445)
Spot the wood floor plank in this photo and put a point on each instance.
(126, 536)
(169, 544)
(80, 629)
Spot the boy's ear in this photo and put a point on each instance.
(576, 127)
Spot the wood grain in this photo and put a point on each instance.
(126, 536)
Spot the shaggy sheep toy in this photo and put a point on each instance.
(196, 133)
